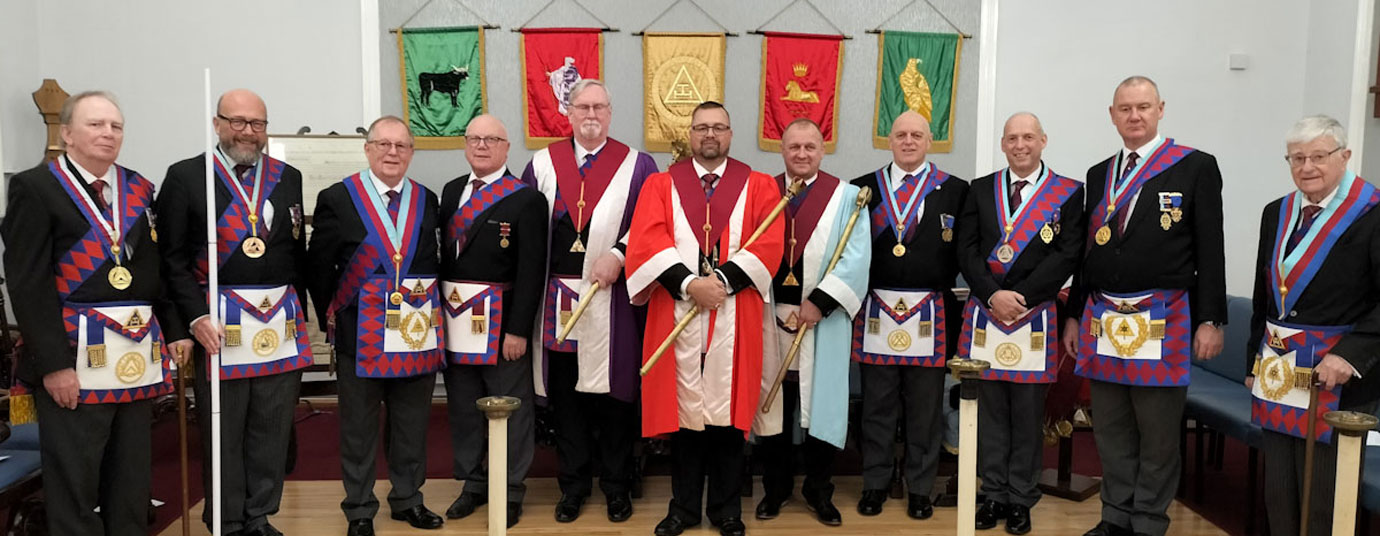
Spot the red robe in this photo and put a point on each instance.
(685, 390)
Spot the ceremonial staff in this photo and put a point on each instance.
(182, 444)
(578, 312)
(791, 191)
(213, 297)
(864, 196)
(1308, 451)
(1353, 427)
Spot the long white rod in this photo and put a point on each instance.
(213, 293)
(984, 131)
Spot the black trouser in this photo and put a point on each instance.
(1137, 431)
(1011, 418)
(95, 456)
(889, 392)
(716, 452)
(777, 454)
(589, 427)
(256, 417)
(468, 441)
(408, 405)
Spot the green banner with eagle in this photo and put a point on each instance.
(917, 71)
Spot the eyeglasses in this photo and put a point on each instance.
(238, 124)
(587, 108)
(388, 146)
(917, 136)
(701, 130)
(484, 140)
(1297, 160)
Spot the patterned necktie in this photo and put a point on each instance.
(709, 181)
(475, 185)
(589, 163)
(798, 199)
(99, 185)
(1015, 201)
(393, 204)
(1310, 213)
(246, 178)
(1123, 211)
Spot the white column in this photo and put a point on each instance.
(371, 106)
(984, 151)
(1360, 82)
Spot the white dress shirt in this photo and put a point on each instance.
(488, 179)
(1142, 153)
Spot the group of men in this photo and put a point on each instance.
(710, 276)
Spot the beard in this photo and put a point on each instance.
(241, 155)
(591, 130)
(710, 151)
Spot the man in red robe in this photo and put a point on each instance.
(685, 250)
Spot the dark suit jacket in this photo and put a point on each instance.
(1188, 256)
(1345, 291)
(337, 229)
(929, 262)
(1040, 270)
(40, 228)
(522, 265)
(182, 211)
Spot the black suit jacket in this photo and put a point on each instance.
(522, 265)
(182, 211)
(40, 228)
(337, 230)
(1188, 256)
(1345, 291)
(1040, 270)
(930, 261)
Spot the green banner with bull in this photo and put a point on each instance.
(442, 73)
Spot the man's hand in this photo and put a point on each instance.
(1008, 305)
(1250, 382)
(1332, 371)
(181, 351)
(1207, 342)
(63, 386)
(707, 292)
(208, 335)
(513, 346)
(809, 314)
(606, 269)
(1070, 336)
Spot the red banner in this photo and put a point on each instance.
(553, 59)
(800, 78)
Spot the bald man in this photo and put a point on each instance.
(493, 255)
(261, 257)
(901, 339)
(1019, 241)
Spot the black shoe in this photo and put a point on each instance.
(620, 507)
(420, 518)
(732, 526)
(1107, 529)
(989, 513)
(514, 513)
(770, 507)
(1018, 520)
(824, 510)
(361, 527)
(871, 502)
(568, 508)
(672, 525)
(919, 507)
(465, 504)
(262, 530)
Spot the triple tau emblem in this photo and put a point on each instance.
(265, 305)
(1124, 338)
(135, 322)
(130, 368)
(1008, 354)
(414, 329)
(454, 297)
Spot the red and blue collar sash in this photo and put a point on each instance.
(801, 222)
(462, 222)
(584, 192)
(1039, 210)
(245, 211)
(710, 223)
(889, 213)
(1290, 274)
(107, 237)
(379, 249)
(1116, 198)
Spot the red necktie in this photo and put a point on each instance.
(393, 204)
(246, 178)
(709, 181)
(1310, 213)
(1016, 187)
(1122, 211)
(589, 163)
(99, 185)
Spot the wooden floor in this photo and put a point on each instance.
(313, 507)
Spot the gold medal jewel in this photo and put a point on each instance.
(1278, 378)
(1008, 354)
(253, 247)
(265, 342)
(899, 250)
(947, 235)
(1165, 221)
(120, 277)
(395, 298)
(1047, 233)
(898, 340)
(1104, 235)
(130, 368)
(1005, 253)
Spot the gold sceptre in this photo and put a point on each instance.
(791, 192)
(860, 203)
(578, 312)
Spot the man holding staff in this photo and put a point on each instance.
(809, 298)
(591, 182)
(704, 238)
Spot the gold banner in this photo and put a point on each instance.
(679, 71)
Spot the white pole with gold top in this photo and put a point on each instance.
(498, 409)
(968, 372)
(1353, 427)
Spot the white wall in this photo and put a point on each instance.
(1063, 58)
(302, 56)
